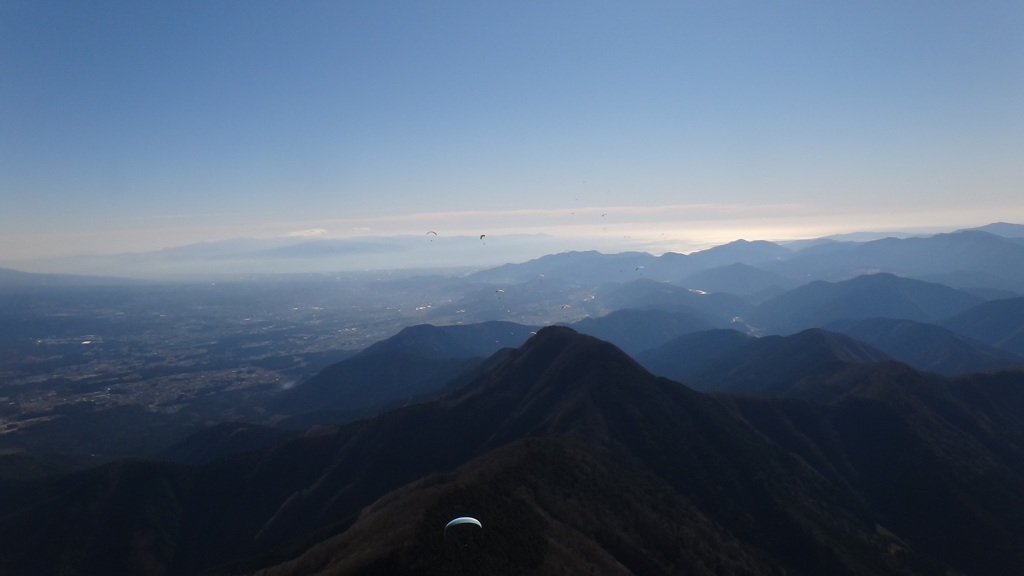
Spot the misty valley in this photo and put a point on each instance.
(819, 407)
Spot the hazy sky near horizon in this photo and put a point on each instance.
(138, 125)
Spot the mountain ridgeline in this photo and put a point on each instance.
(574, 458)
(988, 259)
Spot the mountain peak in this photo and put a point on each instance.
(559, 381)
(566, 352)
(558, 356)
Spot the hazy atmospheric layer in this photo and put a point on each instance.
(131, 126)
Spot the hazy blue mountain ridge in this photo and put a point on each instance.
(999, 323)
(597, 268)
(740, 279)
(874, 295)
(1004, 229)
(969, 259)
(636, 330)
(984, 258)
(588, 267)
(738, 251)
(928, 347)
(966, 259)
(720, 309)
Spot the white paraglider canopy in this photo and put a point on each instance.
(462, 520)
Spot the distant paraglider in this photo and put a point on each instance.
(462, 520)
(482, 236)
(429, 232)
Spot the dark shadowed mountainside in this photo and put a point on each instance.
(16, 465)
(223, 439)
(939, 462)
(91, 435)
(684, 358)
(548, 506)
(455, 341)
(365, 385)
(575, 459)
(561, 384)
(411, 365)
(813, 364)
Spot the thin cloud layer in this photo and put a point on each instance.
(310, 233)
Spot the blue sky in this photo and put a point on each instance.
(661, 125)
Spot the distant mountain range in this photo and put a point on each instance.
(929, 347)
(977, 260)
(874, 295)
(989, 258)
(684, 335)
(296, 255)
